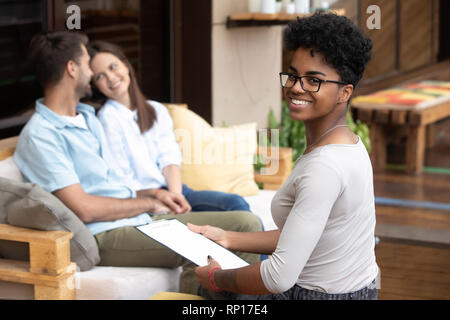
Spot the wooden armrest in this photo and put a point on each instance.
(7, 147)
(8, 143)
(12, 233)
(49, 250)
(18, 271)
(49, 268)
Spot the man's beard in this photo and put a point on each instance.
(83, 91)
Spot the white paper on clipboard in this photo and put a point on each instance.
(193, 246)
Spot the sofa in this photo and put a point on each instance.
(213, 158)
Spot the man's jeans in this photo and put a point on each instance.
(206, 200)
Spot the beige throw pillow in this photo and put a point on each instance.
(27, 205)
(218, 159)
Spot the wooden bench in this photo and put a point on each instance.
(414, 108)
(48, 269)
(7, 147)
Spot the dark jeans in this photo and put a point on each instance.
(296, 293)
(205, 200)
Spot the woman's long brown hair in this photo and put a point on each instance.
(146, 115)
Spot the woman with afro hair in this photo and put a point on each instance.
(325, 212)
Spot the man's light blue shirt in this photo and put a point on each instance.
(56, 153)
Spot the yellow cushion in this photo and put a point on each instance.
(175, 296)
(218, 159)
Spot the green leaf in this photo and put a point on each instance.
(272, 120)
(258, 162)
(360, 129)
(264, 140)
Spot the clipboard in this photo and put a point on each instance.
(193, 246)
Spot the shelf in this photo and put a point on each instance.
(246, 19)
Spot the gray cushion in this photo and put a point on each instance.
(28, 205)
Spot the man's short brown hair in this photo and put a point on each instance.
(49, 53)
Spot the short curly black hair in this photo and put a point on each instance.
(343, 45)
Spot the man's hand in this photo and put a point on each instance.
(159, 207)
(176, 202)
(91, 208)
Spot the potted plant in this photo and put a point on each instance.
(292, 134)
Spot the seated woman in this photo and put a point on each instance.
(325, 212)
(140, 133)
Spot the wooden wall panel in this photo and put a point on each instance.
(443, 27)
(416, 27)
(351, 8)
(56, 15)
(436, 7)
(197, 57)
(384, 53)
(155, 49)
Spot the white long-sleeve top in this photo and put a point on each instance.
(326, 214)
(140, 157)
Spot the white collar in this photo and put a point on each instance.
(78, 121)
(124, 110)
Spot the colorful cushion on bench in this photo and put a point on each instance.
(28, 205)
(411, 96)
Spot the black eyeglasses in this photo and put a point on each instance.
(308, 83)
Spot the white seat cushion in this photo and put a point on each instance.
(124, 283)
(260, 205)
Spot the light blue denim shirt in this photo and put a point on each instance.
(56, 153)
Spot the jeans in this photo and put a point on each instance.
(369, 292)
(205, 200)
